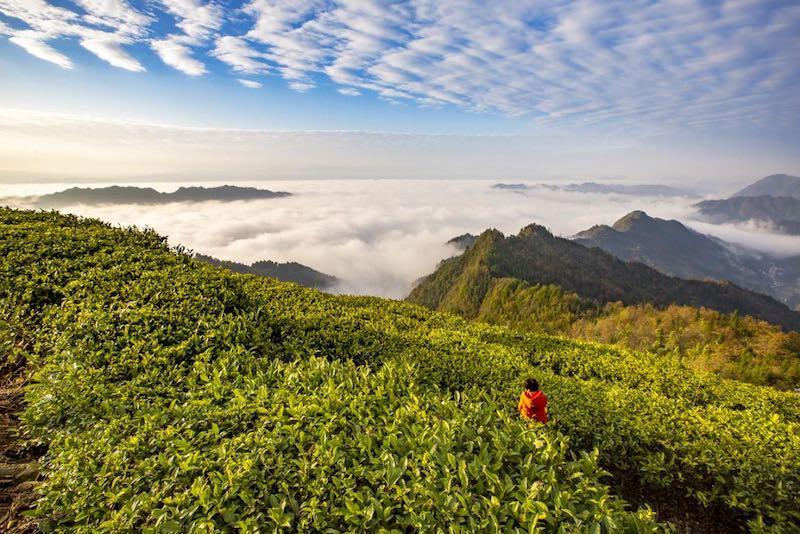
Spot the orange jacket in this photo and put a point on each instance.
(533, 405)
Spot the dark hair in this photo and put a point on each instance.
(531, 384)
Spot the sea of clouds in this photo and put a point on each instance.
(380, 236)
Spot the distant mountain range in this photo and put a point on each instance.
(781, 214)
(644, 190)
(773, 201)
(775, 185)
(676, 250)
(147, 195)
(535, 256)
(511, 187)
(287, 272)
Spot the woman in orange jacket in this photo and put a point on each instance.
(532, 402)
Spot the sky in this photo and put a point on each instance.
(701, 94)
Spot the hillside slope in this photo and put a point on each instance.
(176, 396)
(675, 250)
(286, 272)
(537, 257)
(780, 213)
(774, 185)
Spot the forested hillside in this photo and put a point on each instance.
(780, 213)
(675, 250)
(172, 395)
(541, 283)
(287, 272)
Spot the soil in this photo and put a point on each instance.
(19, 466)
(685, 513)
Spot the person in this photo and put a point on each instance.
(533, 402)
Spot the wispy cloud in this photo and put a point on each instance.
(250, 84)
(240, 55)
(198, 22)
(583, 62)
(109, 48)
(103, 29)
(36, 45)
(176, 51)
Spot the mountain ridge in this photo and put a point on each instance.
(286, 272)
(536, 256)
(116, 194)
(676, 250)
(774, 185)
(780, 213)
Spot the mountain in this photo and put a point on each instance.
(286, 272)
(676, 250)
(775, 185)
(655, 190)
(146, 195)
(511, 187)
(535, 256)
(645, 190)
(780, 213)
(464, 241)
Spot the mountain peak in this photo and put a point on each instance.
(774, 185)
(632, 219)
(534, 230)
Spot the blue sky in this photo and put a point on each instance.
(710, 83)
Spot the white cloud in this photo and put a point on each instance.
(237, 53)
(349, 91)
(251, 84)
(48, 23)
(378, 236)
(35, 44)
(301, 86)
(108, 48)
(198, 20)
(176, 52)
(618, 63)
(117, 15)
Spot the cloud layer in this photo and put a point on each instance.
(618, 62)
(379, 236)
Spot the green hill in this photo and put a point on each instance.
(536, 256)
(582, 293)
(675, 250)
(287, 272)
(176, 396)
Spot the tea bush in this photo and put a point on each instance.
(177, 396)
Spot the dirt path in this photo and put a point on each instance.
(19, 467)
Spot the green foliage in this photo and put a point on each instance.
(731, 345)
(177, 396)
(737, 347)
(312, 445)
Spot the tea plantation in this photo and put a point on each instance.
(176, 396)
